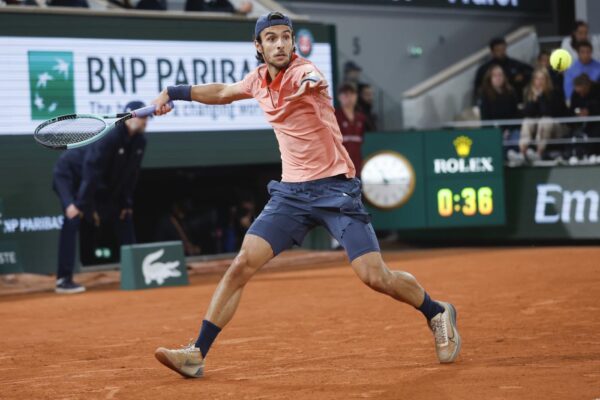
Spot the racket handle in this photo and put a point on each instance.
(146, 111)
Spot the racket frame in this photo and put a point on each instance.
(120, 118)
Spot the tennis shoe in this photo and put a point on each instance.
(187, 361)
(445, 333)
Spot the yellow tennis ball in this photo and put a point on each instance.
(560, 60)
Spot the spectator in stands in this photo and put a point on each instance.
(177, 225)
(518, 73)
(365, 105)
(498, 100)
(218, 6)
(352, 73)
(96, 182)
(585, 102)
(241, 217)
(584, 65)
(69, 3)
(351, 122)
(542, 104)
(580, 34)
(160, 5)
(543, 61)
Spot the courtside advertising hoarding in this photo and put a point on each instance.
(48, 77)
(555, 203)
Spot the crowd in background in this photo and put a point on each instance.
(207, 229)
(506, 88)
(242, 8)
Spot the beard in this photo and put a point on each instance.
(280, 64)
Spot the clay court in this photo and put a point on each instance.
(528, 318)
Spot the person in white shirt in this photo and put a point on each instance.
(581, 33)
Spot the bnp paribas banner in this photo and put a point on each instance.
(43, 78)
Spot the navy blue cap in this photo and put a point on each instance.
(271, 19)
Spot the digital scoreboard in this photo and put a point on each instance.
(434, 179)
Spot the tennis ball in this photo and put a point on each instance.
(560, 60)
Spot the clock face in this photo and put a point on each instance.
(388, 179)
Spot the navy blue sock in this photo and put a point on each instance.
(208, 334)
(430, 308)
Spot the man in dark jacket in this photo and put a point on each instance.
(96, 182)
(585, 102)
(518, 73)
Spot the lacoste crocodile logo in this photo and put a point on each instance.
(158, 271)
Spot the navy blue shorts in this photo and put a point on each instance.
(296, 208)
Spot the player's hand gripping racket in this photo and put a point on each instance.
(76, 130)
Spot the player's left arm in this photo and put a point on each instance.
(311, 82)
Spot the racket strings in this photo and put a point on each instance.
(68, 131)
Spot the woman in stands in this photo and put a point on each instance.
(497, 101)
(542, 104)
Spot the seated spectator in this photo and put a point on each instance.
(365, 105)
(174, 226)
(585, 102)
(196, 227)
(351, 122)
(498, 100)
(579, 34)
(160, 5)
(69, 3)
(543, 61)
(518, 73)
(241, 217)
(542, 104)
(584, 65)
(218, 6)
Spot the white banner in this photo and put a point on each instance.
(45, 77)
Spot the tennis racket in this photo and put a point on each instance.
(77, 130)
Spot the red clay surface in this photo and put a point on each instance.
(529, 319)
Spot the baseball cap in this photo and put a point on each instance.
(133, 105)
(271, 19)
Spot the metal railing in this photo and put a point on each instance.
(577, 147)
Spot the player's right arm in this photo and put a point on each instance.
(211, 93)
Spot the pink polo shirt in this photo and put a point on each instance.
(309, 138)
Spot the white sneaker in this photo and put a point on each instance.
(186, 361)
(514, 158)
(532, 156)
(447, 339)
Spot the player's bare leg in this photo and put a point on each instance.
(189, 361)
(402, 286)
(255, 253)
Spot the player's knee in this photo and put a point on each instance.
(241, 269)
(378, 281)
(374, 275)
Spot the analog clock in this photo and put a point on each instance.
(388, 179)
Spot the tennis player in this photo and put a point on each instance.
(318, 187)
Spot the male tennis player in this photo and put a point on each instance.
(318, 187)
